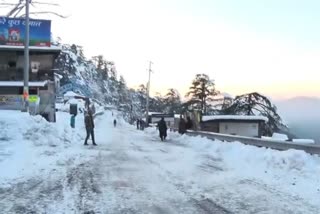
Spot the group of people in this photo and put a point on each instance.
(183, 126)
(140, 124)
(162, 126)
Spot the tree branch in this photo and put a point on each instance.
(45, 3)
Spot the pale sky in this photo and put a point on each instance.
(269, 46)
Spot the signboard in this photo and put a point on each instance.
(12, 102)
(12, 32)
(33, 98)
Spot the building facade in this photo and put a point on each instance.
(42, 81)
(250, 126)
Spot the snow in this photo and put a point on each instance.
(303, 141)
(46, 169)
(71, 94)
(177, 116)
(151, 113)
(279, 136)
(234, 117)
(20, 83)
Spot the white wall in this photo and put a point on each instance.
(243, 129)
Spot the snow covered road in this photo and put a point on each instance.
(133, 172)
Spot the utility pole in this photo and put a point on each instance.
(26, 61)
(148, 91)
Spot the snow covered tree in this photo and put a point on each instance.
(142, 96)
(156, 103)
(112, 71)
(202, 92)
(257, 104)
(102, 66)
(172, 101)
(122, 91)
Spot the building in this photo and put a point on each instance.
(42, 81)
(243, 125)
(155, 117)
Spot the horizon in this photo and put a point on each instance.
(268, 47)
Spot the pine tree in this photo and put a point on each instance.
(172, 101)
(202, 92)
(257, 104)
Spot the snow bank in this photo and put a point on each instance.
(238, 154)
(234, 117)
(30, 143)
(303, 141)
(279, 136)
(293, 170)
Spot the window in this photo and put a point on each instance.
(12, 64)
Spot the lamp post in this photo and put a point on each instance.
(148, 91)
(26, 61)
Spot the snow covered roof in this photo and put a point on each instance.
(20, 83)
(151, 113)
(177, 115)
(234, 117)
(71, 94)
(31, 48)
(58, 76)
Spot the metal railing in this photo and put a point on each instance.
(272, 144)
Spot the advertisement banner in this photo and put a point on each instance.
(12, 102)
(12, 32)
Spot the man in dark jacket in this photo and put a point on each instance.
(189, 124)
(162, 129)
(182, 126)
(89, 123)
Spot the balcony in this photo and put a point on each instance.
(14, 74)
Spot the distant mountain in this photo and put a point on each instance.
(302, 114)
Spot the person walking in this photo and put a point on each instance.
(142, 124)
(162, 126)
(138, 124)
(182, 125)
(114, 122)
(89, 123)
(189, 124)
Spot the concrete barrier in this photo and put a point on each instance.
(272, 144)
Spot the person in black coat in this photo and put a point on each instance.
(89, 124)
(182, 126)
(138, 124)
(189, 124)
(162, 126)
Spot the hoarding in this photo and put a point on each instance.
(12, 32)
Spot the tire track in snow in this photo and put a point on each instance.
(205, 205)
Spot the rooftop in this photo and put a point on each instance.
(31, 48)
(20, 83)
